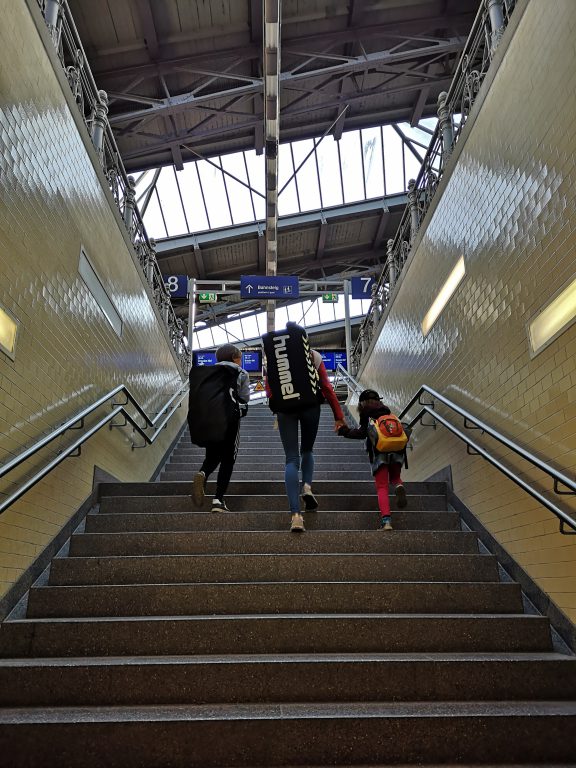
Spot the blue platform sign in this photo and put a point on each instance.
(362, 287)
(176, 285)
(261, 287)
(340, 359)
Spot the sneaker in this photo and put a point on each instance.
(401, 500)
(198, 485)
(310, 502)
(297, 525)
(219, 505)
(385, 524)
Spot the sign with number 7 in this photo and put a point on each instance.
(361, 287)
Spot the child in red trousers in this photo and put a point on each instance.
(386, 467)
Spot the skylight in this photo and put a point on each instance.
(313, 174)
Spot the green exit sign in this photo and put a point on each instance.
(207, 297)
(330, 298)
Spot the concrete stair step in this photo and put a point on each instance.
(346, 488)
(276, 634)
(320, 462)
(264, 503)
(176, 475)
(273, 735)
(171, 569)
(283, 598)
(185, 680)
(163, 519)
(261, 542)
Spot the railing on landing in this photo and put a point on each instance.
(560, 480)
(77, 422)
(93, 106)
(453, 111)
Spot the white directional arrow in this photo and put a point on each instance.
(249, 288)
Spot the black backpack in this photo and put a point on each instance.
(213, 405)
(292, 376)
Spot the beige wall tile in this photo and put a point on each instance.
(509, 207)
(67, 354)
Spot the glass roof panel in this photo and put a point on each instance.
(212, 184)
(351, 160)
(350, 170)
(239, 195)
(329, 165)
(307, 176)
(171, 204)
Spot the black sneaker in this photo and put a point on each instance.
(219, 505)
(198, 485)
(310, 502)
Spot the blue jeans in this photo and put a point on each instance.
(288, 426)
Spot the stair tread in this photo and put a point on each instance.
(290, 711)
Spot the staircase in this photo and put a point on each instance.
(168, 636)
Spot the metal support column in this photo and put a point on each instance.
(347, 326)
(191, 314)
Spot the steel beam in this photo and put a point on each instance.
(365, 62)
(165, 247)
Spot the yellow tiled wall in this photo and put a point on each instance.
(67, 354)
(509, 208)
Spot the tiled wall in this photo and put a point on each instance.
(67, 354)
(509, 208)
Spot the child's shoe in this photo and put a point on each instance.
(401, 500)
(219, 505)
(385, 524)
(198, 485)
(310, 502)
(297, 525)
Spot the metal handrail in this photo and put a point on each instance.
(472, 422)
(158, 423)
(92, 104)
(454, 108)
(342, 374)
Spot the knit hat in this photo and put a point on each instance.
(369, 394)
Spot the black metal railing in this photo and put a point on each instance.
(92, 104)
(77, 421)
(453, 110)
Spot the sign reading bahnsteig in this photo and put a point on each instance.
(262, 287)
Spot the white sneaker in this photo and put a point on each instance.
(310, 502)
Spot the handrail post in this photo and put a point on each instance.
(52, 11)
(100, 123)
(496, 13)
(391, 264)
(446, 127)
(130, 205)
(413, 203)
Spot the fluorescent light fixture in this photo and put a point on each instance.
(8, 331)
(444, 296)
(96, 288)
(554, 319)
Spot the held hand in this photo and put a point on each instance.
(339, 423)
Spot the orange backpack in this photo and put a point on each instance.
(387, 434)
